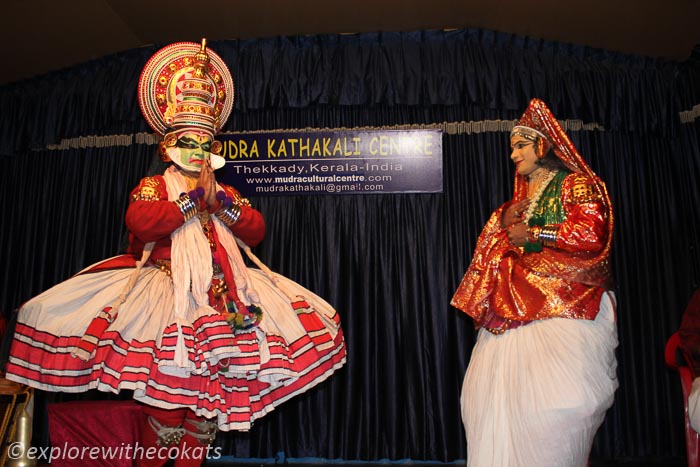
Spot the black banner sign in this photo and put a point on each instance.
(333, 162)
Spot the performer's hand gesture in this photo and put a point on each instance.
(514, 213)
(517, 234)
(207, 180)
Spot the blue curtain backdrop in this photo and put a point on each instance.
(388, 263)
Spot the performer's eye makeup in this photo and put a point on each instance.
(189, 143)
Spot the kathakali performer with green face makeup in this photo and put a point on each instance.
(205, 342)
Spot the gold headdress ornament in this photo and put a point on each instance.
(186, 87)
(539, 122)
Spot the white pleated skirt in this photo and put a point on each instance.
(234, 377)
(535, 396)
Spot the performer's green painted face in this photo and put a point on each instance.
(524, 155)
(194, 149)
(191, 151)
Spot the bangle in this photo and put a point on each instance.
(187, 207)
(229, 215)
(548, 235)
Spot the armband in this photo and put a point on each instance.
(148, 190)
(583, 190)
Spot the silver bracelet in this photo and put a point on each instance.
(229, 215)
(187, 207)
(548, 235)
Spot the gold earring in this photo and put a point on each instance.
(540, 148)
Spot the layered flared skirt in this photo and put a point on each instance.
(200, 363)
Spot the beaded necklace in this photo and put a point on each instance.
(545, 177)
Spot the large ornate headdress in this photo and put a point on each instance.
(186, 87)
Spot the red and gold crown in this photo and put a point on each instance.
(185, 87)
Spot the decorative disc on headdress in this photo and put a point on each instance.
(186, 86)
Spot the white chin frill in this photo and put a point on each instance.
(217, 161)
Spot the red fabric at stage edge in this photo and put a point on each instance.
(99, 433)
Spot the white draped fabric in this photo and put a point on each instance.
(535, 396)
